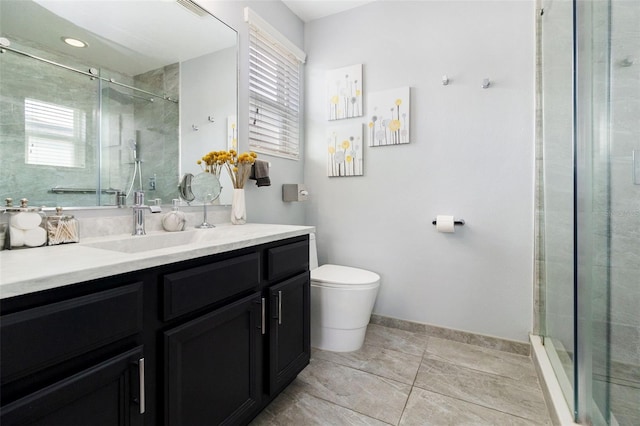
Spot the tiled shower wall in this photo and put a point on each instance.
(158, 126)
(153, 124)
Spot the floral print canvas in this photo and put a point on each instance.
(344, 151)
(388, 120)
(344, 92)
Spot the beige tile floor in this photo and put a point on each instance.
(405, 378)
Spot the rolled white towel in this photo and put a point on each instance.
(26, 220)
(16, 237)
(35, 237)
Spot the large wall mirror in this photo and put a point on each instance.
(149, 88)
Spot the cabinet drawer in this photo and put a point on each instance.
(36, 338)
(287, 260)
(195, 288)
(104, 394)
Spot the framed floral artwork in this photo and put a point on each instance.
(344, 92)
(344, 151)
(389, 117)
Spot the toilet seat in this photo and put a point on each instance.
(337, 276)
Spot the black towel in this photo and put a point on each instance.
(260, 173)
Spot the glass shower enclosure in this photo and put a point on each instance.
(589, 226)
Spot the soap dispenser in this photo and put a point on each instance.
(175, 220)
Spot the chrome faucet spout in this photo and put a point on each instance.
(138, 213)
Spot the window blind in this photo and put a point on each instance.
(274, 93)
(55, 134)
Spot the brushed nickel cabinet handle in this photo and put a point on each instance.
(263, 316)
(280, 307)
(141, 373)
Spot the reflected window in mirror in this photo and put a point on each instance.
(55, 135)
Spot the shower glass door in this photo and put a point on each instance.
(608, 136)
(590, 279)
(557, 323)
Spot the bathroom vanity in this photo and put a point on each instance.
(206, 331)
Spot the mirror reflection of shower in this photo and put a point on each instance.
(130, 125)
(137, 164)
(141, 62)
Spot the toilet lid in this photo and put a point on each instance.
(336, 275)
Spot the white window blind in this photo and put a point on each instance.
(274, 90)
(55, 135)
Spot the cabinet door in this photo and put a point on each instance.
(213, 366)
(109, 394)
(289, 342)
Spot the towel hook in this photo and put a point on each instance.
(486, 83)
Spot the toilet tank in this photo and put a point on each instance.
(313, 252)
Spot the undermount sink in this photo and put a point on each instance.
(142, 243)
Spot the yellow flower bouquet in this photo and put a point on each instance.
(238, 166)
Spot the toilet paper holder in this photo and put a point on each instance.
(455, 222)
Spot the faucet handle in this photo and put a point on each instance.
(138, 198)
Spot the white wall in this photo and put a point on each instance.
(264, 204)
(471, 155)
(214, 76)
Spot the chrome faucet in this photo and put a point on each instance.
(138, 212)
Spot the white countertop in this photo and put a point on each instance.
(29, 270)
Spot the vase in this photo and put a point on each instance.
(238, 207)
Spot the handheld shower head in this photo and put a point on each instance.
(133, 146)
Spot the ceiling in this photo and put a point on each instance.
(308, 10)
(130, 36)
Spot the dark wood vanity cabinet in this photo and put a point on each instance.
(213, 362)
(75, 361)
(207, 341)
(288, 292)
(107, 393)
(289, 339)
(225, 365)
(213, 366)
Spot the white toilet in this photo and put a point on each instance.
(342, 299)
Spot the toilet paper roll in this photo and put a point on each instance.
(26, 220)
(35, 237)
(16, 237)
(444, 223)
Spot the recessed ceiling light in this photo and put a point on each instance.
(74, 42)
